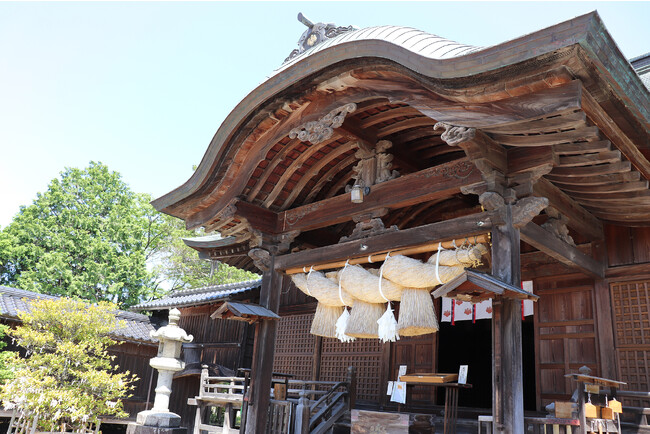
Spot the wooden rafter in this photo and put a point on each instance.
(340, 167)
(315, 170)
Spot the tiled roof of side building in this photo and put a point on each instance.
(199, 296)
(136, 328)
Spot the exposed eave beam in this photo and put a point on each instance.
(423, 186)
(567, 254)
(465, 226)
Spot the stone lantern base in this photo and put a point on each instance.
(153, 422)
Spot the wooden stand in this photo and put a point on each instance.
(451, 400)
(597, 381)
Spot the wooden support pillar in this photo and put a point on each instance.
(507, 372)
(265, 333)
(604, 319)
(261, 371)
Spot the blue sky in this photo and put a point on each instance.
(143, 87)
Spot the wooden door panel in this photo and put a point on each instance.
(565, 333)
(417, 353)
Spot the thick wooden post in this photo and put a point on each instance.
(352, 387)
(507, 371)
(261, 372)
(604, 319)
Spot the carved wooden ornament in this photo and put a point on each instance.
(318, 131)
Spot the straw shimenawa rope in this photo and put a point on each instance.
(330, 302)
(412, 273)
(363, 284)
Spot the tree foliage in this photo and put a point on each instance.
(90, 237)
(180, 267)
(87, 236)
(7, 358)
(67, 379)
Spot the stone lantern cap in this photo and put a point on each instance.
(172, 332)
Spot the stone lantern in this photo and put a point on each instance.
(167, 362)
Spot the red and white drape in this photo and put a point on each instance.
(456, 310)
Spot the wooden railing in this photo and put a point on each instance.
(536, 425)
(317, 416)
(227, 392)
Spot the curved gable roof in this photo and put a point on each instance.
(433, 60)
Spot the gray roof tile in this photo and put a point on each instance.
(14, 300)
(199, 296)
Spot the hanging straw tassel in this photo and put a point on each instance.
(387, 329)
(342, 322)
(341, 325)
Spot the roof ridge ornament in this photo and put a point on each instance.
(316, 34)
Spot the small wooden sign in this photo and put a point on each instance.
(615, 405)
(606, 413)
(591, 411)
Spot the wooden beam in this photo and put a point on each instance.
(543, 240)
(579, 218)
(560, 99)
(521, 160)
(467, 226)
(257, 217)
(423, 186)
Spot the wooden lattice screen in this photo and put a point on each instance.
(294, 354)
(364, 354)
(294, 347)
(631, 305)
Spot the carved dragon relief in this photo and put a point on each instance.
(318, 131)
(523, 210)
(454, 135)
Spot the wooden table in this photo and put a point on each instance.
(451, 401)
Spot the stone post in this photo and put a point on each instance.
(159, 420)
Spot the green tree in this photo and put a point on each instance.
(7, 358)
(87, 236)
(67, 379)
(179, 266)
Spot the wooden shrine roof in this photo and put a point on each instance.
(564, 95)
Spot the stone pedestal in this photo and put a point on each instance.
(159, 420)
(134, 428)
